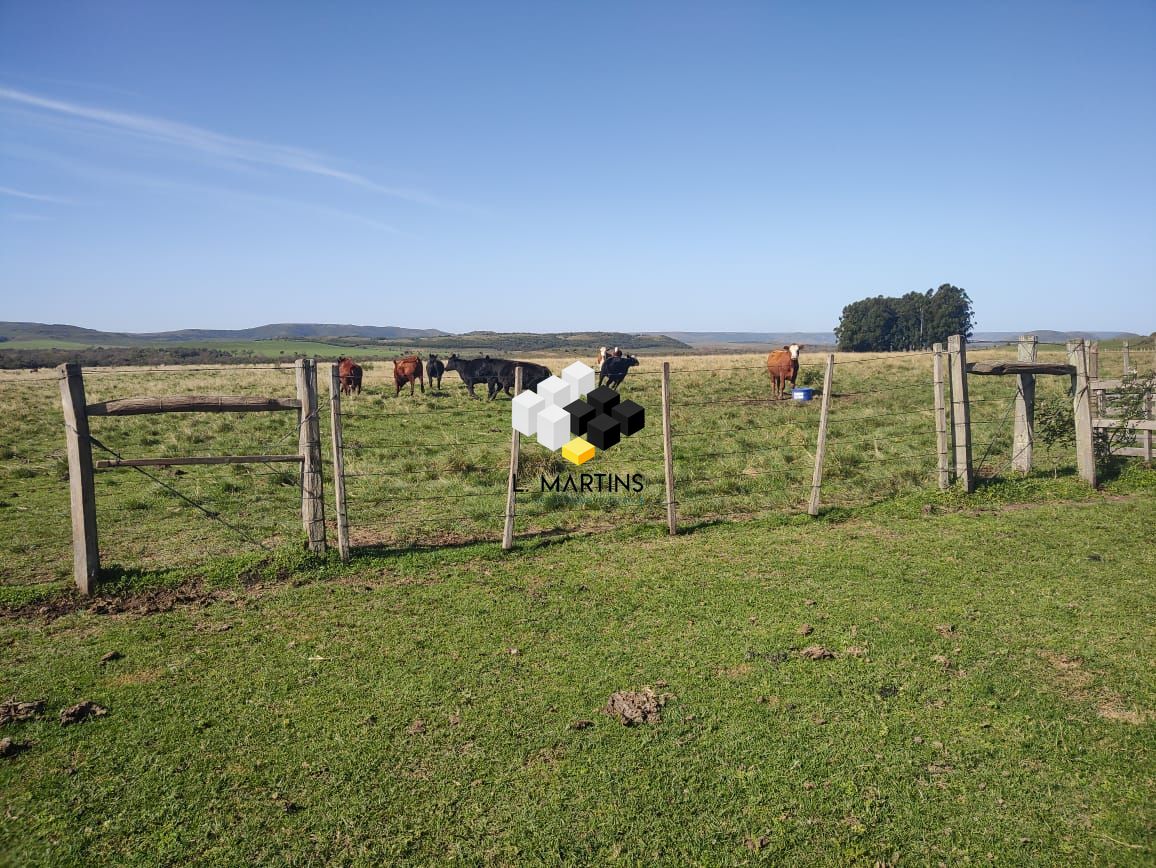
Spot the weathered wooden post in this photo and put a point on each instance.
(1127, 360)
(961, 411)
(943, 458)
(512, 482)
(309, 447)
(821, 446)
(1092, 351)
(1082, 409)
(338, 461)
(668, 452)
(1024, 438)
(81, 487)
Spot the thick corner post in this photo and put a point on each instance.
(81, 487)
(1082, 410)
(1024, 436)
(309, 447)
(961, 411)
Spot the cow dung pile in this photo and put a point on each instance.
(632, 707)
(83, 710)
(13, 711)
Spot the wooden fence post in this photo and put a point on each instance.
(338, 461)
(668, 452)
(81, 488)
(1092, 350)
(1024, 438)
(961, 411)
(821, 446)
(309, 446)
(1082, 409)
(1127, 360)
(512, 482)
(943, 459)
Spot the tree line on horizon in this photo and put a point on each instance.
(913, 321)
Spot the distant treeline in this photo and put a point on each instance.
(98, 356)
(911, 322)
(476, 343)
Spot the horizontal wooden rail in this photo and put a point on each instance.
(203, 459)
(1000, 368)
(192, 404)
(1103, 385)
(1133, 452)
(1134, 424)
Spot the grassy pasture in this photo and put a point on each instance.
(431, 469)
(990, 699)
(990, 702)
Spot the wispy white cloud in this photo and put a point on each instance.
(35, 197)
(106, 176)
(204, 141)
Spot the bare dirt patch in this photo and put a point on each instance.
(143, 603)
(632, 707)
(742, 670)
(1076, 684)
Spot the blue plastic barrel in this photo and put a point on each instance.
(802, 394)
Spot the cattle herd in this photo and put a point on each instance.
(497, 375)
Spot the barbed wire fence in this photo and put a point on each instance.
(431, 471)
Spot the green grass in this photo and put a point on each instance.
(432, 469)
(1001, 710)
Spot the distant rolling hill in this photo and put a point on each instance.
(32, 331)
(754, 339)
(30, 336)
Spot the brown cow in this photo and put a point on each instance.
(349, 375)
(408, 370)
(783, 365)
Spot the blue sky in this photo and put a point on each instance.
(547, 166)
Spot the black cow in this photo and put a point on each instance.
(614, 370)
(532, 375)
(497, 374)
(434, 369)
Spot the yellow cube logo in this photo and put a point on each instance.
(578, 451)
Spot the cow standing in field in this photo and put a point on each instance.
(615, 369)
(349, 374)
(503, 380)
(408, 370)
(783, 366)
(497, 374)
(435, 368)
